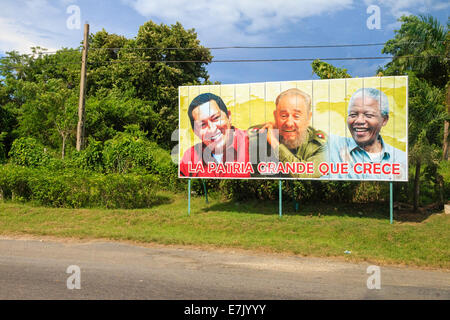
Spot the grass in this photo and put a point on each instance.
(364, 230)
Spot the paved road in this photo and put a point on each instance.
(36, 269)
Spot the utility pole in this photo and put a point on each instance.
(81, 109)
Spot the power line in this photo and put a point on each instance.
(237, 60)
(238, 47)
(263, 60)
(247, 47)
(261, 47)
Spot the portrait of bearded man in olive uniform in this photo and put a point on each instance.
(290, 135)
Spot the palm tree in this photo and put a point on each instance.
(422, 45)
(426, 112)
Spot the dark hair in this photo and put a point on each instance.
(203, 98)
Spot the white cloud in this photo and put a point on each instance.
(397, 8)
(235, 21)
(29, 23)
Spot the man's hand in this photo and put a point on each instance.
(272, 139)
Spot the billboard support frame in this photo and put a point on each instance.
(280, 196)
(280, 199)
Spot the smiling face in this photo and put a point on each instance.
(292, 118)
(212, 126)
(365, 122)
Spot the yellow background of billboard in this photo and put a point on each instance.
(253, 103)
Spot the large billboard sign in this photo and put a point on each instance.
(337, 129)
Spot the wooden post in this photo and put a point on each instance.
(81, 109)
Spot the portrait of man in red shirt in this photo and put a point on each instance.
(222, 145)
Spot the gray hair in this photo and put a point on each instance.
(295, 92)
(372, 93)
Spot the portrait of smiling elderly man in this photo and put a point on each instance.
(291, 134)
(220, 141)
(368, 113)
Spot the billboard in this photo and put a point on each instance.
(337, 129)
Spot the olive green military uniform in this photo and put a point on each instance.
(311, 151)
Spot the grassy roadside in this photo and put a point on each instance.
(365, 230)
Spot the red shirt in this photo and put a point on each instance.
(194, 156)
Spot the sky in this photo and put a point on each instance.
(53, 25)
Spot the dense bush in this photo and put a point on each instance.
(128, 152)
(28, 152)
(15, 183)
(91, 158)
(2, 147)
(77, 188)
(2, 153)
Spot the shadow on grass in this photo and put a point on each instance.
(411, 216)
(361, 210)
(161, 199)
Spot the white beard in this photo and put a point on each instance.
(297, 142)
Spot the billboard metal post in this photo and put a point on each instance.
(204, 188)
(391, 206)
(281, 199)
(189, 197)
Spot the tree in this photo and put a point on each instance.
(141, 68)
(426, 112)
(422, 45)
(129, 81)
(7, 123)
(49, 112)
(327, 71)
(35, 90)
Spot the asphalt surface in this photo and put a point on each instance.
(36, 269)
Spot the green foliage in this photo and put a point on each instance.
(7, 124)
(124, 87)
(127, 191)
(2, 147)
(14, 182)
(28, 152)
(444, 171)
(90, 158)
(420, 45)
(108, 115)
(420, 49)
(127, 152)
(426, 115)
(75, 188)
(327, 71)
(136, 74)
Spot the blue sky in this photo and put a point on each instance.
(226, 23)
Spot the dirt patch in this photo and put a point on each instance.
(404, 212)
